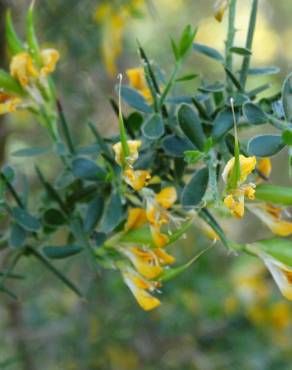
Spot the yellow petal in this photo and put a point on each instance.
(249, 191)
(133, 145)
(265, 167)
(159, 238)
(167, 197)
(271, 217)
(219, 9)
(8, 103)
(236, 206)
(49, 59)
(164, 258)
(144, 299)
(145, 262)
(136, 78)
(247, 165)
(136, 179)
(136, 218)
(22, 68)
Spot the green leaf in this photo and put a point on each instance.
(233, 79)
(93, 214)
(175, 50)
(195, 190)
(191, 126)
(254, 114)
(134, 121)
(30, 152)
(222, 124)
(265, 145)
(26, 220)
(31, 38)
(9, 84)
(263, 71)
(113, 214)
(176, 146)
(208, 51)
(193, 156)
(17, 236)
(14, 44)
(287, 97)
(287, 137)
(217, 87)
(60, 252)
(187, 77)
(278, 248)
(173, 272)
(153, 127)
(240, 51)
(88, 170)
(54, 217)
(274, 194)
(135, 99)
(186, 40)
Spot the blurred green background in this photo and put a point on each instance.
(224, 313)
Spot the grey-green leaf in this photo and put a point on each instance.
(208, 51)
(287, 97)
(88, 170)
(30, 152)
(17, 236)
(265, 145)
(135, 99)
(113, 214)
(176, 146)
(222, 124)
(191, 126)
(26, 220)
(59, 252)
(93, 214)
(153, 128)
(254, 114)
(195, 190)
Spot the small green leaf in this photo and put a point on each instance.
(265, 145)
(54, 217)
(17, 236)
(88, 170)
(188, 77)
(193, 156)
(60, 252)
(24, 219)
(31, 38)
(208, 51)
(176, 146)
(135, 99)
(191, 126)
(263, 71)
(254, 114)
(287, 97)
(222, 124)
(173, 272)
(278, 248)
(240, 51)
(14, 44)
(186, 40)
(93, 214)
(153, 127)
(217, 87)
(113, 214)
(30, 152)
(195, 190)
(9, 84)
(274, 194)
(175, 50)
(287, 137)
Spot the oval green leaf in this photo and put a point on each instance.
(88, 170)
(153, 128)
(254, 114)
(265, 145)
(195, 190)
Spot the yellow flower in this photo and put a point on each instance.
(23, 69)
(8, 103)
(140, 287)
(136, 218)
(138, 82)
(247, 165)
(281, 273)
(264, 167)
(235, 197)
(163, 257)
(133, 145)
(166, 197)
(219, 9)
(136, 179)
(160, 239)
(271, 216)
(49, 59)
(145, 262)
(280, 315)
